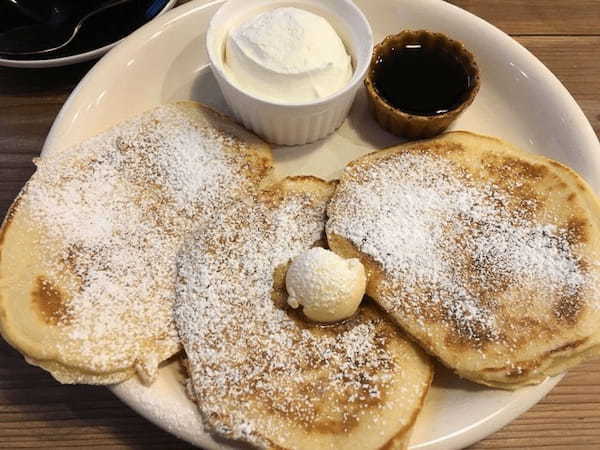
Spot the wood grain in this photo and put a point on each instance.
(37, 412)
(567, 418)
(538, 17)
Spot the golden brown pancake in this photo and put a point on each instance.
(486, 255)
(260, 373)
(87, 252)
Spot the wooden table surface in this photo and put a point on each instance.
(37, 412)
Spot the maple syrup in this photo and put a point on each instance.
(420, 80)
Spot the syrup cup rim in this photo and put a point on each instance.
(448, 43)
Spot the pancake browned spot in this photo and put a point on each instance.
(467, 335)
(49, 302)
(3, 231)
(9, 218)
(531, 327)
(524, 169)
(318, 392)
(2, 311)
(569, 346)
(568, 307)
(5, 227)
(313, 420)
(440, 149)
(577, 230)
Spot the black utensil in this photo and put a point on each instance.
(32, 9)
(65, 20)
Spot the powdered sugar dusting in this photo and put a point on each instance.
(255, 365)
(114, 211)
(448, 244)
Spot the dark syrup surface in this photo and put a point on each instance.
(421, 81)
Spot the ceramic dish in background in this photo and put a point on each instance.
(292, 123)
(519, 101)
(75, 58)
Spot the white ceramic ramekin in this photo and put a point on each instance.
(292, 123)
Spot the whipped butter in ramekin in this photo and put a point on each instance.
(289, 71)
(287, 55)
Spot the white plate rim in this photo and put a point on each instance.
(572, 111)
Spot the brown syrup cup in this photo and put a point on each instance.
(409, 125)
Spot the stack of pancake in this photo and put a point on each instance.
(487, 256)
(87, 267)
(167, 231)
(259, 371)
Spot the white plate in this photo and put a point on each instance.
(73, 59)
(520, 101)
